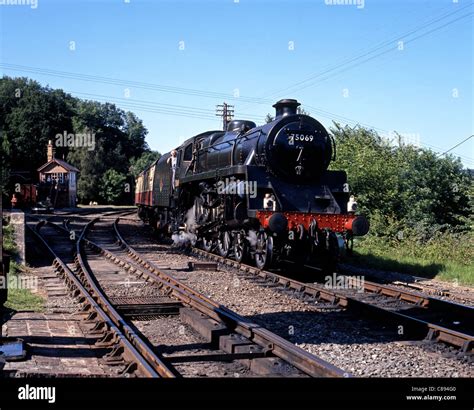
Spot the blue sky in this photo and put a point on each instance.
(342, 62)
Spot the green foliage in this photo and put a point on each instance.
(30, 115)
(4, 160)
(23, 299)
(137, 165)
(299, 110)
(18, 299)
(419, 206)
(119, 138)
(9, 244)
(446, 256)
(404, 187)
(442, 246)
(112, 186)
(92, 167)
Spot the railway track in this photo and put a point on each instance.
(409, 314)
(127, 349)
(235, 337)
(455, 292)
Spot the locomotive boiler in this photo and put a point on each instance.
(263, 193)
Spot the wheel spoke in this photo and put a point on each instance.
(264, 249)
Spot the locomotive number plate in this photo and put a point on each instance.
(299, 137)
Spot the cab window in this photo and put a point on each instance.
(188, 153)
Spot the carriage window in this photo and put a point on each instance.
(188, 153)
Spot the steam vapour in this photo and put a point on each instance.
(188, 237)
(252, 238)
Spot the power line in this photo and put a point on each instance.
(194, 112)
(457, 145)
(371, 50)
(128, 83)
(156, 87)
(153, 87)
(183, 108)
(199, 113)
(331, 75)
(208, 115)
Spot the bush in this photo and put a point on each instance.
(404, 189)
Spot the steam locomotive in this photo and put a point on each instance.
(255, 193)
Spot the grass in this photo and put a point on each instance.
(18, 299)
(24, 299)
(447, 258)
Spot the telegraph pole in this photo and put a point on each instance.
(225, 111)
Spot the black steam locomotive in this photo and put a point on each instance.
(263, 193)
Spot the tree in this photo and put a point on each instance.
(371, 168)
(137, 165)
(119, 136)
(299, 110)
(135, 133)
(269, 118)
(30, 116)
(5, 161)
(302, 111)
(400, 187)
(112, 186)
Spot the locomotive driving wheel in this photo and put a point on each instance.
(263, 250)
(223, 244)
(240, 246)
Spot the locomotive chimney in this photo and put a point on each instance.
(286, 107)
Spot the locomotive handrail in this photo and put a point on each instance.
(333, 146)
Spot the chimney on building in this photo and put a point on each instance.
(50, 151)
